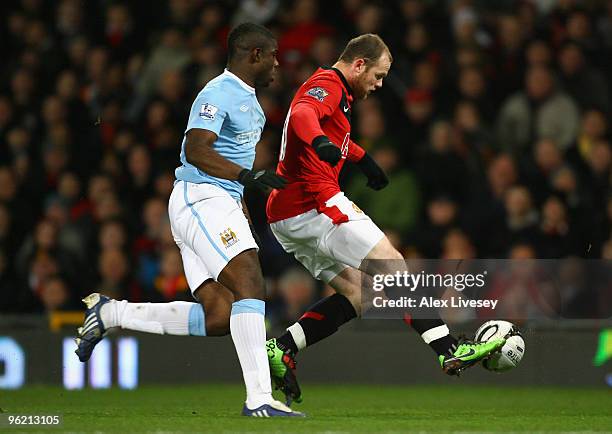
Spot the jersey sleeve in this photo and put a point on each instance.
(209, 111)
(318, 101)
(355, 152)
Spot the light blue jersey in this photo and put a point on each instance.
(228, 107)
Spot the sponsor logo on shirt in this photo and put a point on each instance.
(318, 93)
(248, 136)
(208, 111)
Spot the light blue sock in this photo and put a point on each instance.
(197, 320)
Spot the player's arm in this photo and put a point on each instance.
(208, 114)
(199, 151)
(355, 152)
(317, 102)
(377, 179)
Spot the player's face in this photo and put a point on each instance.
(371, 78)
(268, 63)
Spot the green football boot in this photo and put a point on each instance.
(468, 354)
(282, 371)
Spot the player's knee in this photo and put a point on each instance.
(242, 276)
(217, 325)
(249, 285)
(394, 254)
(384, 250)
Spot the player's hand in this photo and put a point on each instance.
(261, 179)
(326, 150)
(377, 180)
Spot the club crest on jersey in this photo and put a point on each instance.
(318, 93)
(228, 237)
(208, 111)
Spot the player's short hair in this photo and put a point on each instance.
(369, 47)
(245, 37)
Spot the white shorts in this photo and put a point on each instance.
(209, 227)
(325, 249)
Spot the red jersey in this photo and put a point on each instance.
(321, 106)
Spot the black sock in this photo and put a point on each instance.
(286, 343)
(442, 346)
(320, 321)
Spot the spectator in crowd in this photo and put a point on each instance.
(69, 234)
(554, 237)
(599, 161)
(441, 169)
(475, 140)
(483, 223)
(44, 243)
(416, 47)
(114, 276)
(256, 11)
(457, 245)
(113, 235)
(419, 109)
(538, 53)
(585, 84)
(539, 111)
(508, 55)
(593, 128)
(442, 216)
(170, 283)
(56, 296)
(303, 28)
(148, 246)
(141, 176)
(9, 288)
(8, 240)
(541, 166)
(521, 216)
(297, 291)
(371, 131)
(471, 86)
(383, 206)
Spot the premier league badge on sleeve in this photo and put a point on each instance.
(318, 93)
(208, 111)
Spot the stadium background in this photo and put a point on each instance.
(494, 126)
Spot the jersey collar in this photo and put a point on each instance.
(228, 73)
(342, 79)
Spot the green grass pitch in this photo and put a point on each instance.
(216, 408)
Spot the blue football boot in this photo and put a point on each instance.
(93, 330)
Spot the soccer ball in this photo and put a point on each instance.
(511, 353)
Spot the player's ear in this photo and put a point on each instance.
(359, 65)
(256, 54)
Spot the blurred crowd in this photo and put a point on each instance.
(493, 125)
